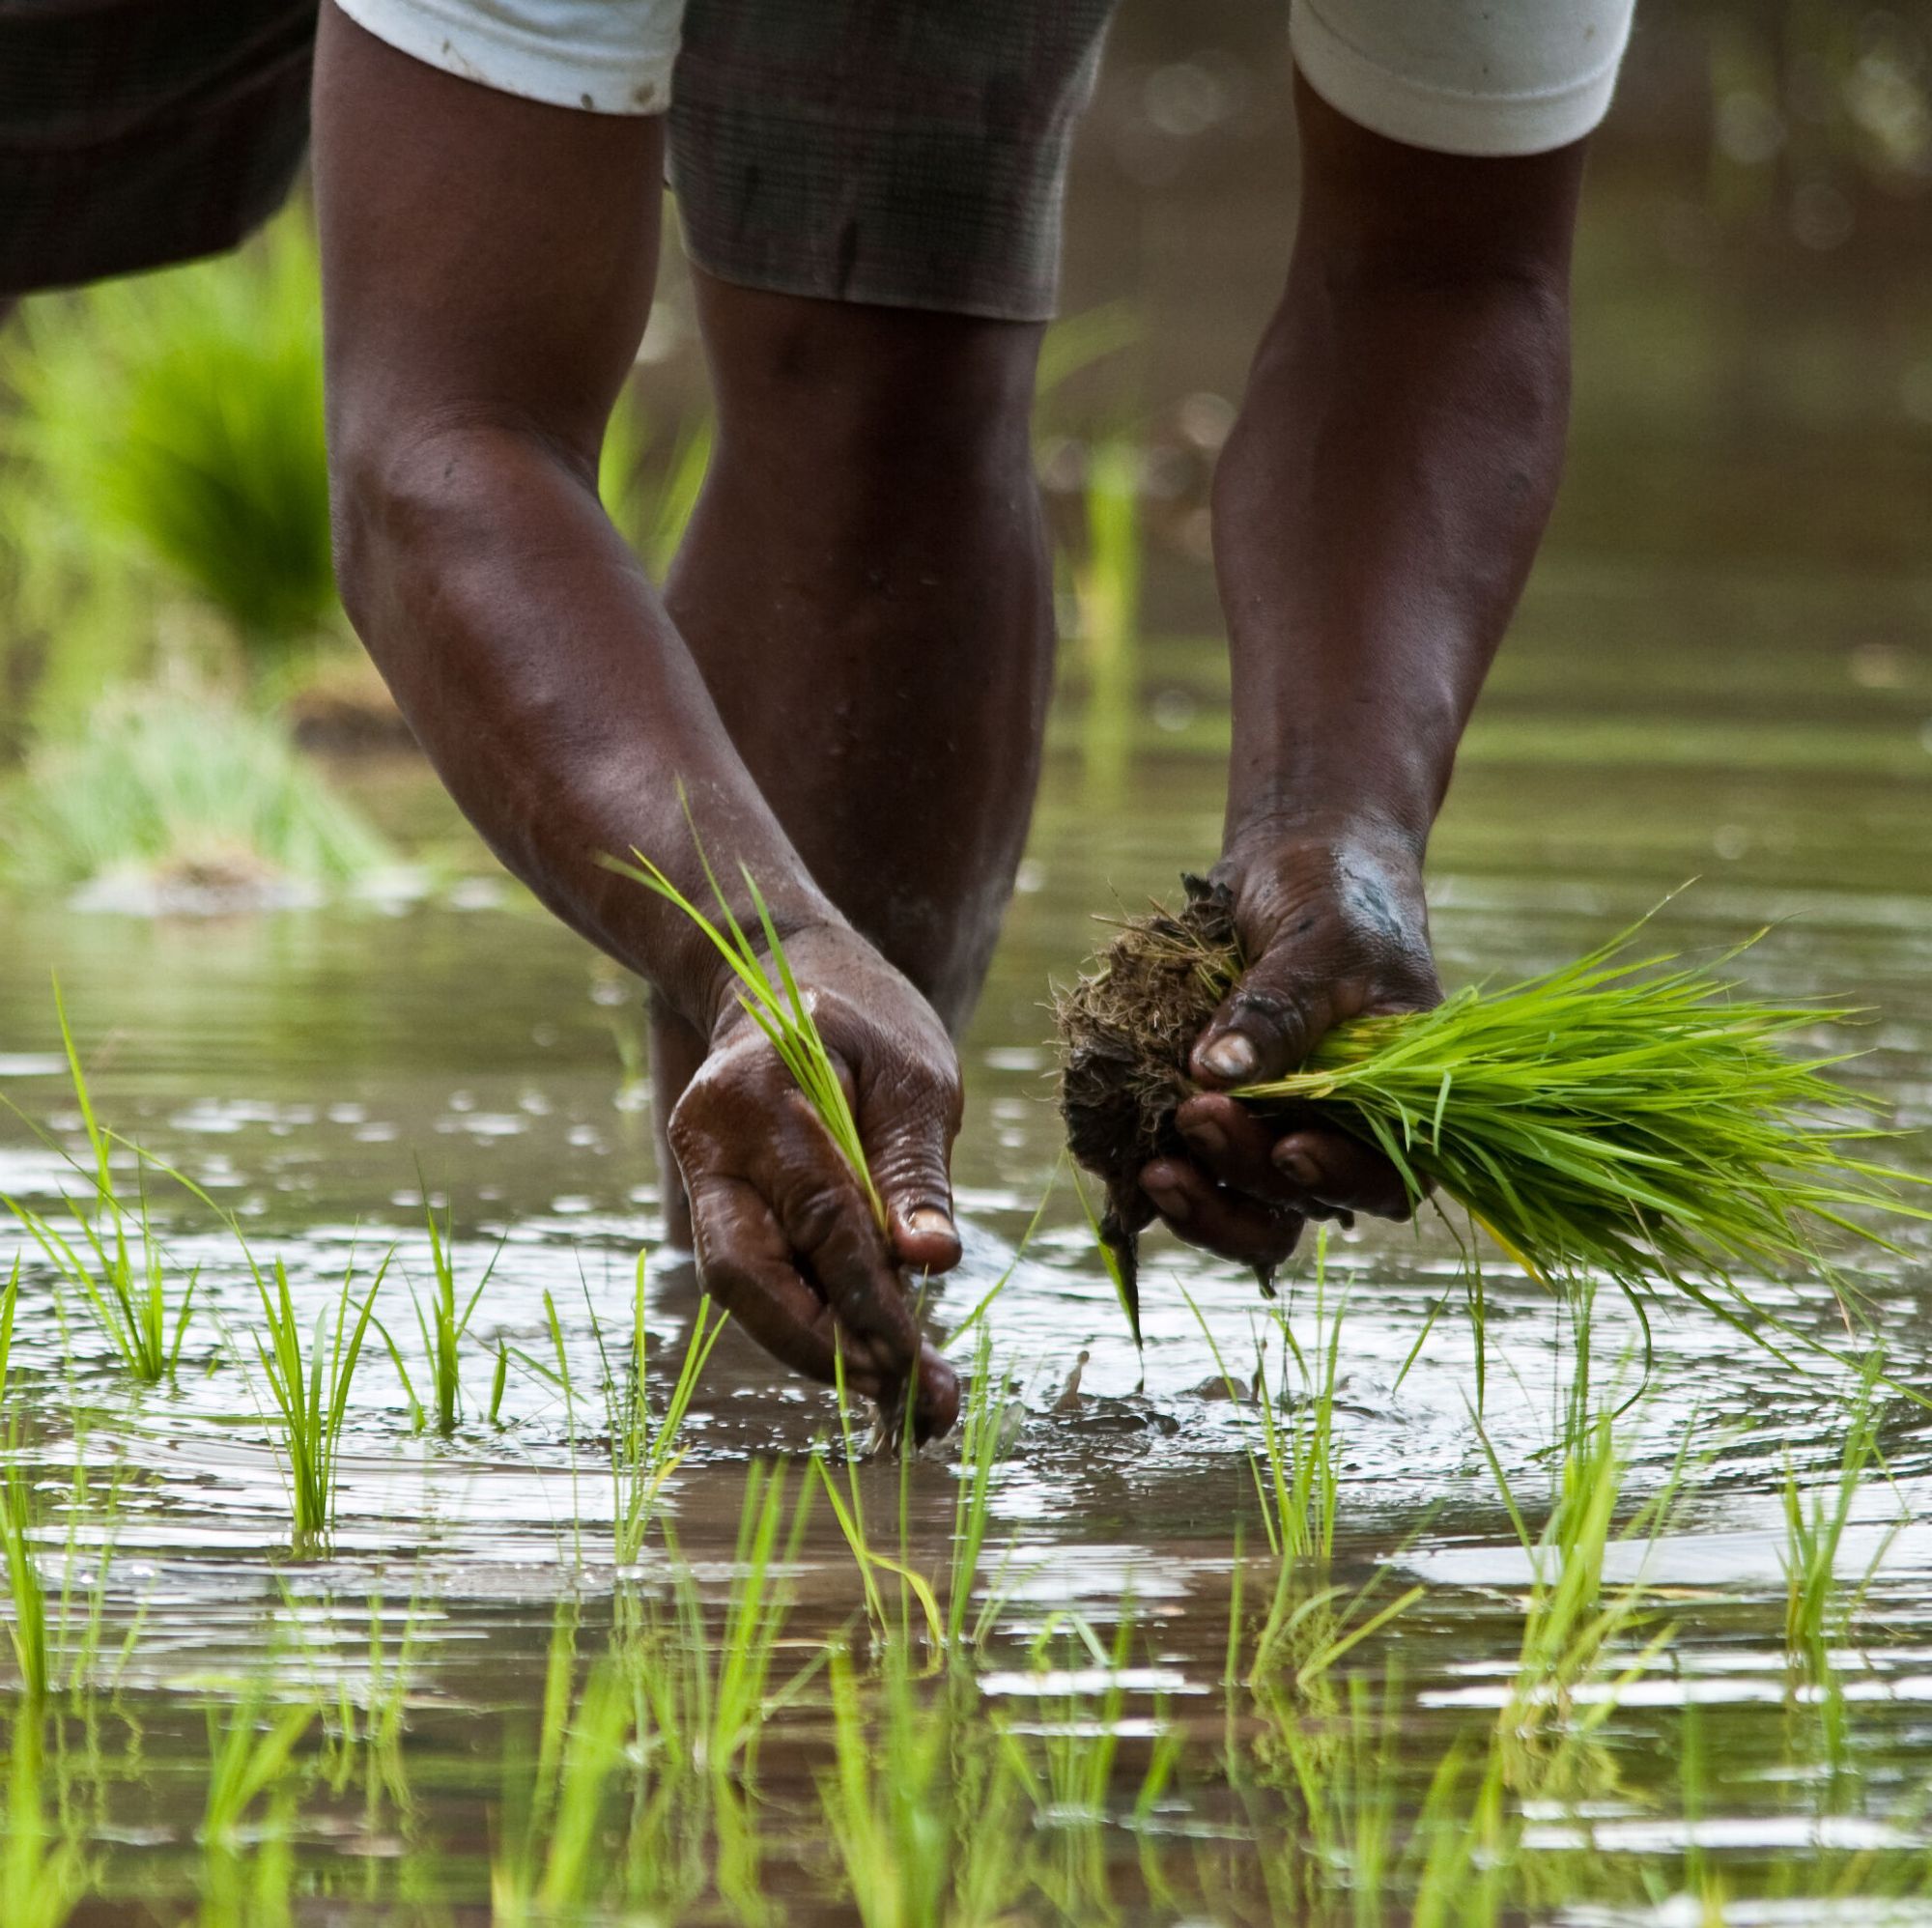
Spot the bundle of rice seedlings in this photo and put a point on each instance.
(1635, 1119)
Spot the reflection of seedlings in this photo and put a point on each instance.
(1615, 1118)
(43, 1872)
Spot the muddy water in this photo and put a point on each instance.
(1642, 731)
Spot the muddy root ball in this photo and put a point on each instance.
(1126, 1030)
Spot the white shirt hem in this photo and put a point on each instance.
(1446, 120)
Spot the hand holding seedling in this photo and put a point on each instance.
(785, 1235)
(1337, 929)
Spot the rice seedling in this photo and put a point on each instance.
(123, 1278)
(57, 1636)
(1107, 587)
(311, 1397)
(706, 1697)
(443, 1325)
(982, 1440)
(26, 1591)
(1574, 1621)
(167, 796)
(1817, 1608)
(652, 520)
(772, 1003)
(848, 1508)
(645, 1450)
(9, 1302)
(1631, 1119)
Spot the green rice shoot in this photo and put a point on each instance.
(774, 1004)
(1624, 1119)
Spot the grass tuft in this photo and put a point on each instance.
(122, 1274)
(311, 1394)
(180, 797)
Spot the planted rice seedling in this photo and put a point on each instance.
(706, 1697)
(311, 1395)
(1632, 1119)
(556, 1869)
(249, 1750)
(1576, 1623)
(982, 1440)
(1817, 1607)
(443, 1325)
(645, 1450)
(26, 1591)
(116, 1262)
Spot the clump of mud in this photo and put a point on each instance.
(1125, 1031)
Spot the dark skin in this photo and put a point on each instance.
(848, 667)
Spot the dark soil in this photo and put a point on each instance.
(1125, 1031)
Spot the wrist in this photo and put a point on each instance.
(1278, 831)
(812, 941)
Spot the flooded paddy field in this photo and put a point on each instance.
(498, 1682)
(1305, 1612)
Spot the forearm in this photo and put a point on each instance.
(1382, 497)
(539, 671)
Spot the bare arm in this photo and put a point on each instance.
(1376, 513)
(488, 268)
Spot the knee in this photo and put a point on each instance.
(885, 400)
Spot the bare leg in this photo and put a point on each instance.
(866, 589)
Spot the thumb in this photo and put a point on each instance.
(907, 1128)
(1266, 1026)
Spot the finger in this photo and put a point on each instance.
(936, 1405)
(907, 1125)
(1236, 1147)
(1343, 1173)
(1266, 1026)
(1248, 1230)
(744, 1261)
(835, 1244)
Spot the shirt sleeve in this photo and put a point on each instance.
(1465, 76)
(602, 56)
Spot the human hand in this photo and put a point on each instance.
(784, 1236)
(1337, 928)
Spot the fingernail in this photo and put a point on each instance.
(929, 1220)
(1297, 1165)
(1231, 1057)
(1209, 1137)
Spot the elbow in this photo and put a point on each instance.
(370, 486)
